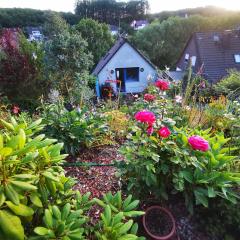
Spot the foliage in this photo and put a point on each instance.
(230, 85)
(20, 17)
(91, 30)
(66, 56)
(159, 165)
(55, 25)
(29, 172)
(111, 11)
(21, 66)
(77, 129)
(118, 123)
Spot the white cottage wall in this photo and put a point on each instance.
(128, 57)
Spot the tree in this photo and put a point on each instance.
(111, 11)
(21, 65)
(55, 25)
(97, 35)
(66, 57)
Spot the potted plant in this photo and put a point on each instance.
(159, 223)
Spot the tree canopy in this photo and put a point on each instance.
(97, 35)
(112, 11)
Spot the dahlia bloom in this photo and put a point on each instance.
(149, 97)
(198, 143)
(145, 117)
(164, 132)
(162, 84)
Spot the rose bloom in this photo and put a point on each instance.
(145, 117)
(162, 84)
(164, 132)
(149, 97)
(15, 109)
(150, 130)
(198, 143)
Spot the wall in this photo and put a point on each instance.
(127, 57)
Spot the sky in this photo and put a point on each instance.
(155, 5)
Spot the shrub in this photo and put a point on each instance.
(160, 165)
(77, 129)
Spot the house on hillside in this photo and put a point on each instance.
(139, 24)
(125, 68)
(34, 34)
(212, 54)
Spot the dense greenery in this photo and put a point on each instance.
(91, 30)
(112, 11)
(18, 17)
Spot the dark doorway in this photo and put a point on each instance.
(124, 75)
(120, 78)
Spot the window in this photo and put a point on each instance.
(132, 75)
(237, 58)
(186, 57)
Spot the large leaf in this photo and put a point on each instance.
(11, 226)
(20, 210)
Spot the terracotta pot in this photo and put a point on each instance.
(171, 219)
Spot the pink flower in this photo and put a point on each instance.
(145, 117)
(162, 84)
(198, 143)
(164, 132)
(150, 130)
(149, 97)
(15, 109)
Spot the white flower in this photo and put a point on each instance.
(53, 96)
(178, 98)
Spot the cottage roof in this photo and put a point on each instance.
(216, 50)
(119, 43)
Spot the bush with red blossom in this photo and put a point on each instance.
(146, 117)
(164, 132)
(149, 97)
(162, 84)
(198, 143)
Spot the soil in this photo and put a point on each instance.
(158, 222)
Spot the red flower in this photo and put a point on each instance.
(15, 109)
(150, 130)
(164, 132)
(162, 84)
(149, 97)
(145, 117)
(198, 143)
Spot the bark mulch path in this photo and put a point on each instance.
(96, 179)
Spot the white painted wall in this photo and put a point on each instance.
(127, 57)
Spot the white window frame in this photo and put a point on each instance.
(237, 58)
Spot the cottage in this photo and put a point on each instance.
(125, 68)
(212, 54)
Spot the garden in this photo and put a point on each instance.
(151, 166)
(162, 164)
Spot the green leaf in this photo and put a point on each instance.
(6, 151)
(126, 227)
(131, 206)
(22, 138)
(50, 176)
(20, 210)
(108, 215)
(41, 231)
(11, 226)
(11, 194)
(24, 185)
(36, 200)
(211, 192)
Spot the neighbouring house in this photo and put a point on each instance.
(125, 68)
(212, 54)
(34, 34)
(139, 24)
(114, 30)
